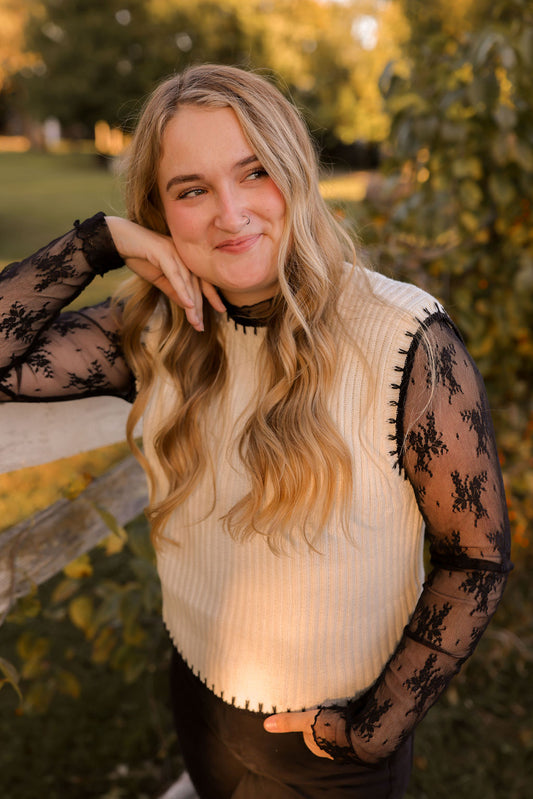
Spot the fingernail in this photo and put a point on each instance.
(270, 724)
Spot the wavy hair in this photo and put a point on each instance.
(298, 464)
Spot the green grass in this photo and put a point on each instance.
(41, 195)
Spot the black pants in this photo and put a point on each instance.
(228, 754)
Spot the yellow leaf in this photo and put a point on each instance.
(11, 676)
(469, 221)
(38, 696)
(80, 611)
(68, 684)
(81, 567)
(32, 647)
(112, 544)
(77, 486)
(64, 590)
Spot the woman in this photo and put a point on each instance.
(296, 445)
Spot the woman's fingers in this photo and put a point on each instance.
(154, 257)
(311, 745)
(296, 722)
(175, 289)
(212, 296)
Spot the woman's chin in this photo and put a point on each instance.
(237, 294)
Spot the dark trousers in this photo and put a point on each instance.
(228, 754)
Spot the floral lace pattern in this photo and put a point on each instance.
(447, 451)
(445, 447)
(44, 355)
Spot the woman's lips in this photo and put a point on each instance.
(241, 244)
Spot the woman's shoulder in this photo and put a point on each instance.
(367, 293)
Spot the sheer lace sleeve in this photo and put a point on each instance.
(47, 355)
(450, 457)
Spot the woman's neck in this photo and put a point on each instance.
(256, 314)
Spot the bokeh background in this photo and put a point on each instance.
(423, 116)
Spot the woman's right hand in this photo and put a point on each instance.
(153, 257)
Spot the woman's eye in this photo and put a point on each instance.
(190, 193)
(257, 173)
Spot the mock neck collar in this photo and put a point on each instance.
(254, 316)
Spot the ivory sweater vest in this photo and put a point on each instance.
(276, 632)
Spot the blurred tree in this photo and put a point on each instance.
(462, 134)
(14, 56)
(97, 56)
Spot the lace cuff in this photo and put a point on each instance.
(97, 244)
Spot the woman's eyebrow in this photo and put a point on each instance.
(250, 159)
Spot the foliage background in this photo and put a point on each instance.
(449, 208)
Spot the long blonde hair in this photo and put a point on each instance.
(298, 464)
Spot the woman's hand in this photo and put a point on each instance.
(296, 722)
(153, 257)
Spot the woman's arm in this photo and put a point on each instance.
(451, 460)
(450, 457)
(45, 355)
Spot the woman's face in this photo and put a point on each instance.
(211, 183)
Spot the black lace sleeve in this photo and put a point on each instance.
(450, 457)
(45, 355)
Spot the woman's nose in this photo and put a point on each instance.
(231, 215)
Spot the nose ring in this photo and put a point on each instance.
(247, 220)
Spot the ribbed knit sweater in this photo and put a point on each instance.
(289, 631)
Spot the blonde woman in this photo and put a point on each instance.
(304, 421)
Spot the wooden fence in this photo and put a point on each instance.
(33, 551)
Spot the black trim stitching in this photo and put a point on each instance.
(423, 325)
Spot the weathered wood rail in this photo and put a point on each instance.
(33, 433)
(34, 550)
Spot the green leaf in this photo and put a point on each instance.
(11, 676)
(28, 607)
(111, 521)
(502, 189)
(134, 666)
(31, 646)
(33, 650)
(139, 540)
(471, 195)
(130, 609)
(471, 167)
(103, 645)
(39, 695)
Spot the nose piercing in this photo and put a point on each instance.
(247, 220)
